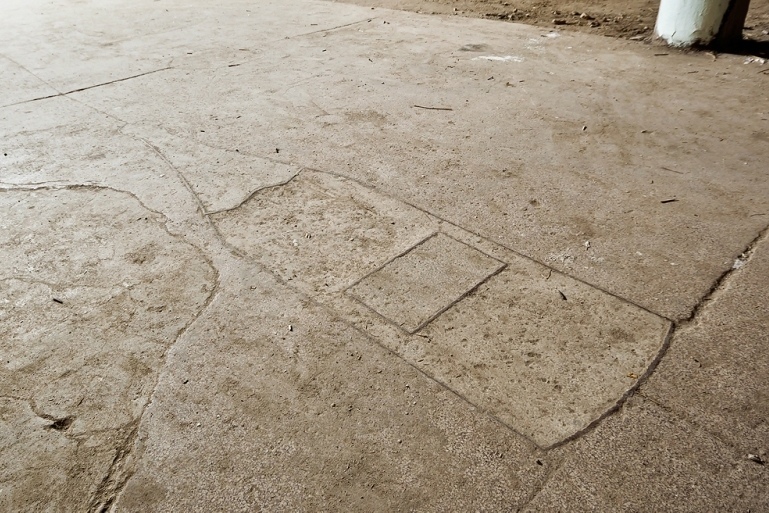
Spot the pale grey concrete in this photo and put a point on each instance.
(217, 220)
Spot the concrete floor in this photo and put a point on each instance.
(306, 256)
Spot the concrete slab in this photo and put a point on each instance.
(715, 373)
(323, 232)
(312, 418)
(212, 185)
(354, 90)
(94, 290)
(544, 353)
(644, 457)
(19, 85)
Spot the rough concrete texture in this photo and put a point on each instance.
(311, 256)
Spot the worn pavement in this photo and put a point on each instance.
(307, 256)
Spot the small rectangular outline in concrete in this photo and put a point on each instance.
(502, 266)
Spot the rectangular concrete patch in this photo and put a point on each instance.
(419, 285)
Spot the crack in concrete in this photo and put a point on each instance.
(57, 423)
(105, 494)
(489, 240)
(691, 422)
(113, 484)
(201, 208)
(121, 469)
(723, 280)
(119, 472)
(24, 68)
(590, 427)
(551, 472)
(254, 193)
(59, 93)
(320, 31)
(718, 287)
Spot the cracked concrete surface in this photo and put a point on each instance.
(311, 256)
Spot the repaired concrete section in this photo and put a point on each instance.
(416, 287)
(350, 259)
(544, 353)
(323, 232)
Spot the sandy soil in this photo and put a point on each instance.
(632, 19)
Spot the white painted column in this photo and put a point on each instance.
(690, 22)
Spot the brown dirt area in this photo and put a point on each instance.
(632, 19)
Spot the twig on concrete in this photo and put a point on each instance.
(432, 108)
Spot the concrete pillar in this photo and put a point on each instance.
(701, 22)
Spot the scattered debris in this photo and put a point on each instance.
(757, 60)
(61, 424)
(672, 170)
(740, 261)
(499, 58)
(432, 108)
(755, 458)
(671, 200)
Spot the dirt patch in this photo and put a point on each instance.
(615, 18)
